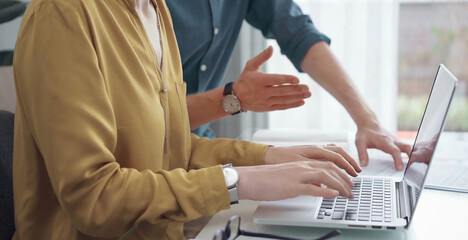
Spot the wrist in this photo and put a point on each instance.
(368, 120)
(362, 114)
(243, 186)
(268, 155)
(236, 90)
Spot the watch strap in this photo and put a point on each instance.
(228, 88)
(236, 112)
(233, 193)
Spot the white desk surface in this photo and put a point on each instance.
(439, 215)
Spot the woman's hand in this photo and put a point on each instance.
(288, 180)
(329, 153)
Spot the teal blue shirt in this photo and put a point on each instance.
(207, 31)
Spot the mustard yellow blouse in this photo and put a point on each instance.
(99, 144)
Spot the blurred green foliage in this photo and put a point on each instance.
(410, 110)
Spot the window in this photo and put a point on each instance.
(364, 39)
(430, 33)
(391, 50)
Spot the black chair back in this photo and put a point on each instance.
(7, 224)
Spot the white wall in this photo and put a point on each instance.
(8, 33)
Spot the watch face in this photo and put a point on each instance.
(231, 104)
(231, 176)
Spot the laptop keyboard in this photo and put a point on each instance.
(372, 202)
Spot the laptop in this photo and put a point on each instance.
(384, 203)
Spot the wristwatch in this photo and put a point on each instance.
(231, 102)
(231, 176)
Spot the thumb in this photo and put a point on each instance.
(257, 61)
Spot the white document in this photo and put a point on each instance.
(448, 177)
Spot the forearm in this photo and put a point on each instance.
(324, 68)
(205, 107)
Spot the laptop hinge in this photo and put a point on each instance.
(403, 203)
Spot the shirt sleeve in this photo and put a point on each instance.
(209, 152)
(63, 96)
(284, 21)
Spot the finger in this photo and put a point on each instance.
(334, 183)
(393, 150)
(346, 156)
(345, 181)
(361, 147)
(313, 190)
(287, 90)
(404, 147)
(257, 61)
(322, 175)
(269, 79)
(286, 106)
(332, 167)
(325, 154)
(288, 99)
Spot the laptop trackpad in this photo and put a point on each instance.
(298, 209)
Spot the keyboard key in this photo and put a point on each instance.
(351, 216)
(371, 202)
(363, 218)
(338, 215)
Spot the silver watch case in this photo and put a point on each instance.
(232, 104)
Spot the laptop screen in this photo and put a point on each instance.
(431, 126)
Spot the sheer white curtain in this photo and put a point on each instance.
(364, 39)
(249, 44)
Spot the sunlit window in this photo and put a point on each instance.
(391, 49)
(430, 33)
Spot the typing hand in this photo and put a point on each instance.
(287, 180)
(330, 153)
(374, 136)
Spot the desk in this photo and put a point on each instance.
(439, 215)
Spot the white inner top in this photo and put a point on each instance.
(148, 16)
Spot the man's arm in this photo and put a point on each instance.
(320, 63)
(205, 107)
(306, 47)
(257, 91)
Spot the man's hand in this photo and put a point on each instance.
(374, 136)
(261, 92)
(287, 180)
(321, 64)
(423, 151)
